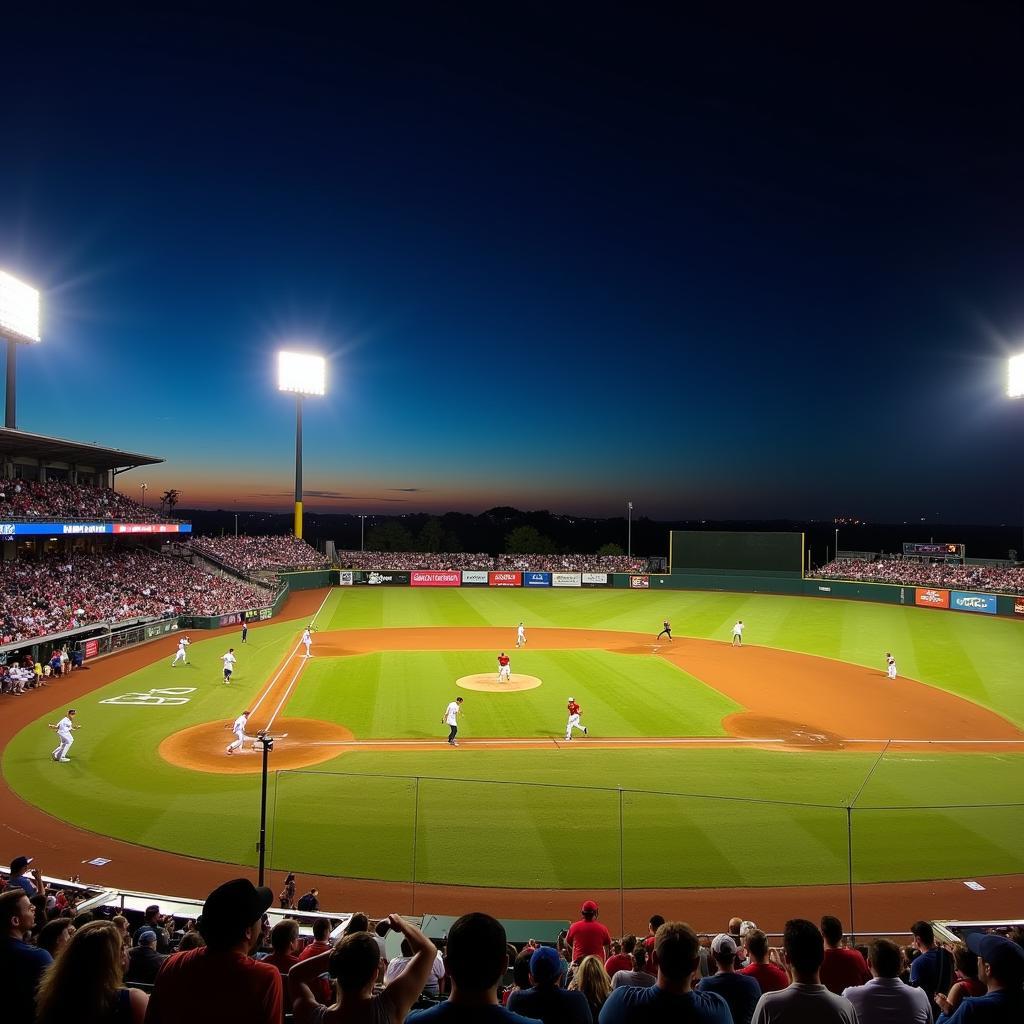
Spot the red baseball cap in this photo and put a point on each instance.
(590, 907)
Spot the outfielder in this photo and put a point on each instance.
(737, 634)
(229, 660)
(520, 635)
(239, 730)
(574, 719)
(890, 665)
(504, 668)
(307, 639)
(64, 727)
(182, 652)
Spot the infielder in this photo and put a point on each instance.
(890, 665)
(63, 728)
(307, 639)
(229, 660)
(245, 632)
(520, 635)
(451, 719)
(574, 719)
(737, 634)
(239, 730)
(182, 653)
(504, 668)
(666, 630)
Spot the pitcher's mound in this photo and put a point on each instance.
(488, 682)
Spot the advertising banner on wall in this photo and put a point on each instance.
(474, 577)
(504, 579)
(434, 578)
(566, 579)
(382, 579)
(345, 578)
(929, 598)
(51, 528)
(966, 601)
(595, 579)
(536, 579)
(640, 582)
(1018, 606)
(91, 648)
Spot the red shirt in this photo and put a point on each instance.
(503, 660)
(843, 968)
(284, 962)
(205, 987)
(619, 962)
(768, 976)
(321, 987)
(588, 938)
(574, 709)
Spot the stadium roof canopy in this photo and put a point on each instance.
(15, 444)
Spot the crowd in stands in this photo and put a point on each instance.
(61, 592)
(403, 560)
(904, 572)
(230, 965)
(262, 554)
(56, 499)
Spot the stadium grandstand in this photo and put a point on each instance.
(1002, 579)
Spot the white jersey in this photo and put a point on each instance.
(306, 638)
(737, 630)
(451, 714)
(64, 727)
(521, 632)
(229, 661)
(183, 643)
(239, 727)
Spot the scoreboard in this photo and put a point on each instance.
(933, 550)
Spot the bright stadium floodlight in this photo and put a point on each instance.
(1015, 377)
(19, 324)
(301, 374)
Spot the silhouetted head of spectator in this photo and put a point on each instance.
(56, 934)
(322, 929)
(804, 946)
(589, 910)
(677, 949)
(284, 935)
(885, 959)
(924, 934)
(757, 945)
(355, 962)
(190, 940)
(233, 915)
(477, 957)
(655, 923)
(628, 943)
(521, 969)
(832, 929)
(357, 923)
(998, 958)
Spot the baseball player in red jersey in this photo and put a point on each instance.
(574, 719)
(504, 668)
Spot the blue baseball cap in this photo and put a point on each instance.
(545, 964)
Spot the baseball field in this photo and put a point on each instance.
(778, 763)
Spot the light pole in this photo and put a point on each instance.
(19, 324)
(1015, 389)
(236, 526)
(301, 374)
(362, 527)
(629, 529)
(144, 489)
(837, 544)
(267, 742)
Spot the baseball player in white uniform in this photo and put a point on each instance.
(451, 719)
(307, 639)
(182, 652)
(63, 728)
(890, 665)
(229, 660)
(239, 730)
(737, 634)
(520, 635)
(574, 719)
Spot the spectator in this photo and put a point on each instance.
(673, 998)
(310, 903)
(55, 935)
(397, 966)
(380, 930)
(353, 966)
(520, 973)
(144, 962)
(593, 981)
(636, 975)
(287, 896)
(477, 960)
(738, 990)
(154, 922)
(950, 576)
(86, 983)
(21, 965)
(321, 939)
(121, 922)
(932, 969)
(284, 941)
(842, 968)
(769, 976)
(190, 940)
(885, 999)
(621, 961)
(588, 937)
(1001, 968)
(546, 1000)
(219, 982)
(356, 923)
(655, 922)
(32, 886)
(967, 982)
(284, 553)
(806, 1000)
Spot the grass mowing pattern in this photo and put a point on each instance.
(474, 831)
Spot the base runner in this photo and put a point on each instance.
(239, 730)
(574, 719)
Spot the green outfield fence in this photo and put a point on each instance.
(423, 830)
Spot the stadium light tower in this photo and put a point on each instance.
(1015, 377)
(19, 324)
(301, 374)
(629, 529)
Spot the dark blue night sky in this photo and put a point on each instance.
(759, 260)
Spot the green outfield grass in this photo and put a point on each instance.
(692, 817)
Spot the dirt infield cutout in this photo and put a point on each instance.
(488, 683)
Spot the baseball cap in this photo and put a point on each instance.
(572, 698)
(19, 864)
(747, 926)
(236, 904)
(723, 945)
(545, 964)
(1005, 957)
(147, 935)
(590, 907)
